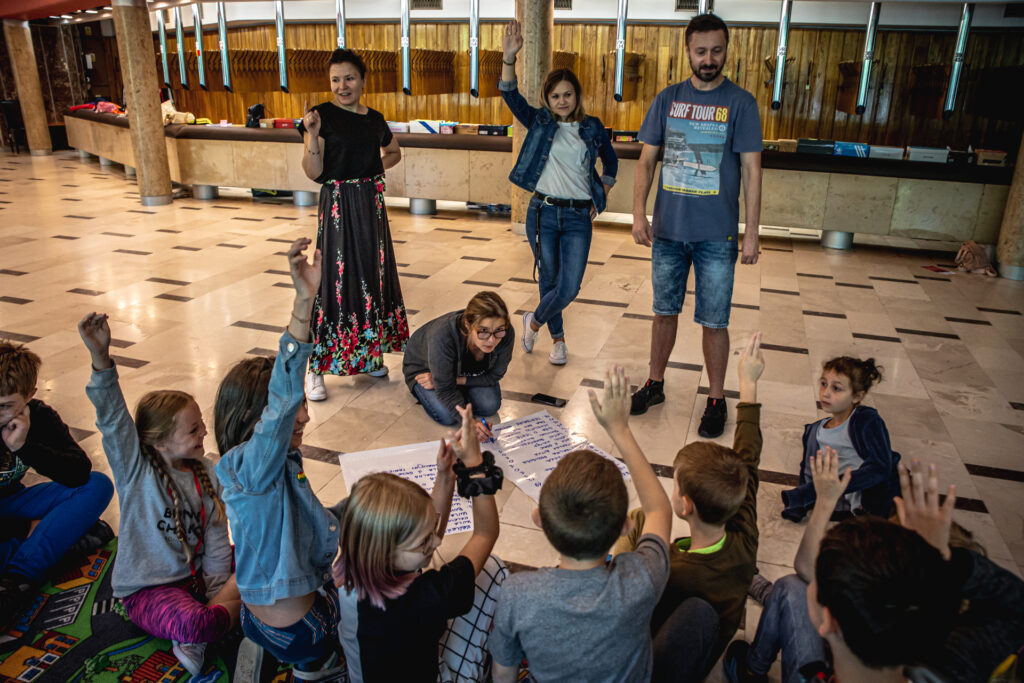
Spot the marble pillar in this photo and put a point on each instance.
(1010, 248)
(26, 78)
(538, 21)
(142, 92)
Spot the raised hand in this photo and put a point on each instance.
(15, 432)
(613, 412)
(751, 363)
(919, 510)
(467, 442)
(95, 332)
(305, 275)
(311, 120)
(445, 459)
(828, 485)
(512, 41)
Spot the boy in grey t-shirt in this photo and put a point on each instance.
(587, 619)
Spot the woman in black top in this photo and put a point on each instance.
(358, 315)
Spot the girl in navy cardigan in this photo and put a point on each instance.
(858, 434)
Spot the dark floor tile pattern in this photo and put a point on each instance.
(595, 302)
(729, 393)
(232, 246)
(926, 333)
(121, 343)
(258, 351)
(277, 272)
(173, 232)
(87, 292)
(129, 362)
(18, 337)
(817, 275)
(522, 397)
(481, 283)
(322, 454)
(478, 239)
(184, 248)
(853, 285)
(15, 273)
(453, 230)
(876, 337)
(638, 316)
(1007, 311)
(173, 297)
(477, 258)
(80, 434)
(415, 275)
(14, 300)
(893, 279)
(133, 252)
(969, 321)
(84, 218)
(168, 281)
(257, 326)
(631, 258)
(995, 472)
(825, 314)
(751, 307)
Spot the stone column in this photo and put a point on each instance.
(538, 20)
(1010, 248)
(26, 80)
(142, 92)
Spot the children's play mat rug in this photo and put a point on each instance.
(76, 630)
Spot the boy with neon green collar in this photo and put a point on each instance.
(715, 492)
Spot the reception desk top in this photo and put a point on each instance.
(789, 161)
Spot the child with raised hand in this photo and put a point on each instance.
(715, 493)
(858, 434)
(588, 619)
(285, 539)
(399, 622)
(174, 564)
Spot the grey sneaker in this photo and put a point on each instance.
(529, 336)
(191, 655)
(315, 388)
(559, 354)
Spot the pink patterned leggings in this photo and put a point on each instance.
(174, 612)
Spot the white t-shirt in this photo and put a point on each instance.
(565, 173)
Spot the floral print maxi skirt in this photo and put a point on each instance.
(358, 315)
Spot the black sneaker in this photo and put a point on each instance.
(98, 535)
(14, 593)
(712, 424)
(734, 664)
(650, 394)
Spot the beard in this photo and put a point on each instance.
(707, 75)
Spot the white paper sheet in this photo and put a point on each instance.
(416, 462)
(529, 448)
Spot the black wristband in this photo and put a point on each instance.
(512, 63)
(470, 486)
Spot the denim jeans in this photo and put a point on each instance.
(485, 400)
(785, 625)
(309, 642)
(713, 266)
(564, 246)
(65, 515)
(684, 643)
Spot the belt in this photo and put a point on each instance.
(558, 201)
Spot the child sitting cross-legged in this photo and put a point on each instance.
(399, 622)
(715, 492)
(587, 619)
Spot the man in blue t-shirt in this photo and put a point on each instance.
(710, 131)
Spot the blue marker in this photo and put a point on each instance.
(484, 421)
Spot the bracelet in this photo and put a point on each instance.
(510, 63)
(470, 486)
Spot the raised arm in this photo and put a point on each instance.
(512, 43)
(444, 486)
(613, 415)
(485, 510)
(120, 439)
(829, 487)
(312, 153)
(262, 458)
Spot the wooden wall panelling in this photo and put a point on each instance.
(804, 113)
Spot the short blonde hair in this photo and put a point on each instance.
(382, 512)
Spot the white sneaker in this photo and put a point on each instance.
(191, 655)
(529, 336)
(315, 388)
(559, 354)
(382, 372)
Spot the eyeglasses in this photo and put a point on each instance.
(487, 334)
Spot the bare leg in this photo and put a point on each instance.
(229, 597)
(663, 338)
(716, 359)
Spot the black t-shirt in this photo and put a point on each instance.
(399, 643)
(352, 142)
(470, 366)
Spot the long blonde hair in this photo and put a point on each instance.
(383, 512)
(154, 422)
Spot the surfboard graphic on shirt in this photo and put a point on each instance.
(695, 136)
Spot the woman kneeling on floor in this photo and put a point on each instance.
(459, 358)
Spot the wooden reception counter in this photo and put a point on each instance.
(837, 194)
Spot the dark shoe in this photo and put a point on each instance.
(14, 594)
(98, 535)
(650, 394)
(712, 424)
(734, 664)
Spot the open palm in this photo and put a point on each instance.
(305, 275)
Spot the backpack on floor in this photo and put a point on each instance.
(972, 258)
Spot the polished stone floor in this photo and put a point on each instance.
(195, 286)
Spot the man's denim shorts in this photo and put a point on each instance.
(713, 266)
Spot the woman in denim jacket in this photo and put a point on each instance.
(557, 163)
(285, 540)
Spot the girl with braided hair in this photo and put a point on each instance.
(174, 570)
